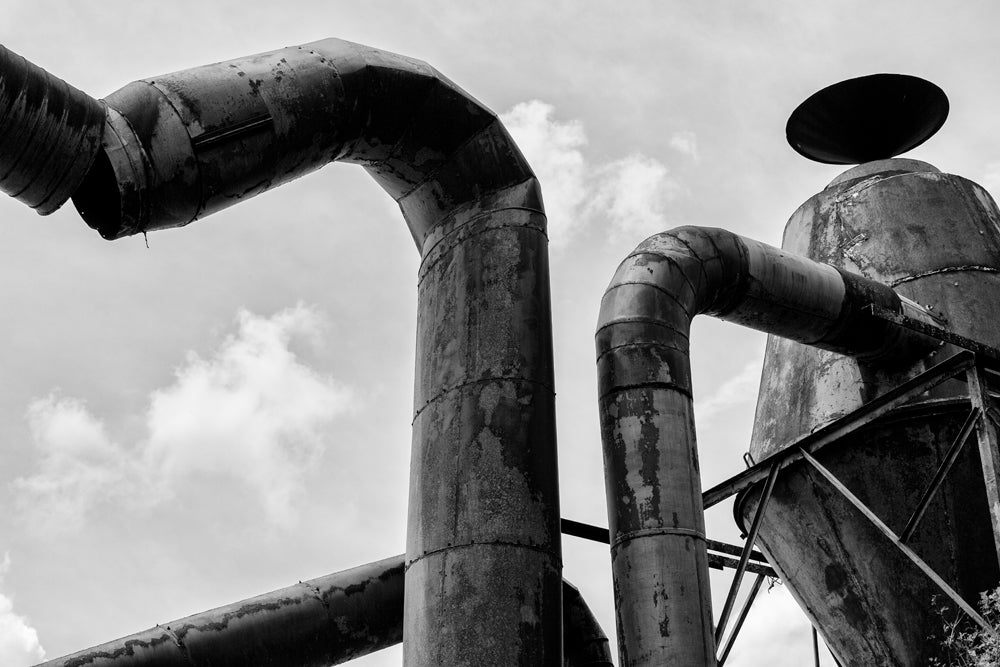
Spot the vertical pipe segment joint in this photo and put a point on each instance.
(659, 560)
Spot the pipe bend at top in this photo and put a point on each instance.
(180, 146)
(483, 502)
(644, 377)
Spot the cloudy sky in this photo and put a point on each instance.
(227, 412)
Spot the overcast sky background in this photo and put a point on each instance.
(228, 412)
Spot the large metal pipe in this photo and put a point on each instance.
(660, 568)
(483, 544)
(935, 237)
(50, 133)
(315, 623)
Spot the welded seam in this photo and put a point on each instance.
(430, 175)
(655, 286)
(696, 254)
(497, 378)
(646, 385)
(948, 269)
(651, 532)
(463, 225)
(641, 320)
(428, 263)
(670, 258)
(197, 163)
(642, 344)
(490, 543)
(180, 644)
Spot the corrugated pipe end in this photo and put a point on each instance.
(50, 134)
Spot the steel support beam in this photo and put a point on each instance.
(909, 553)
(844, 426)
(744, 610)
(971, 421)
(751, 538)
(989, 453)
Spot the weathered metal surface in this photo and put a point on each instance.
(483, 543)
(325, 621)
(935, 238)
(872, 518)
(843, 426)
(50, 133)
(939, 475)
(655, 509)
(584, 642)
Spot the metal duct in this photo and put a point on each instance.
(484, 503)
(324, 621)
(50, 133)
(660, 568)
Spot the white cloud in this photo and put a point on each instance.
(632, 194)
(80, 468)
(251, 412)
(628, 195)
(776, 633)
(19, 645)
(685, 143)
(741, 388)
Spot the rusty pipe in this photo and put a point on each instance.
(324, 621)
(659, 559)
(483, 501)
(50, 133)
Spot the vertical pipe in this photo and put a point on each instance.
(655, 512)
(483, 568)
(483, 542)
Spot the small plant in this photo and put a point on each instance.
(965, 643)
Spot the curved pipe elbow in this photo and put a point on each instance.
(671, 277)
(655, 510)
(181, 146)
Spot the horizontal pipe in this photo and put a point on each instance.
(658, 545)
(324, 621)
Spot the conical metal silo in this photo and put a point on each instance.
(934, 238)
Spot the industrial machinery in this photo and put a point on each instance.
(859, 492)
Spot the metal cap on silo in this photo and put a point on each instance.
(873, 117)
(50, 133)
